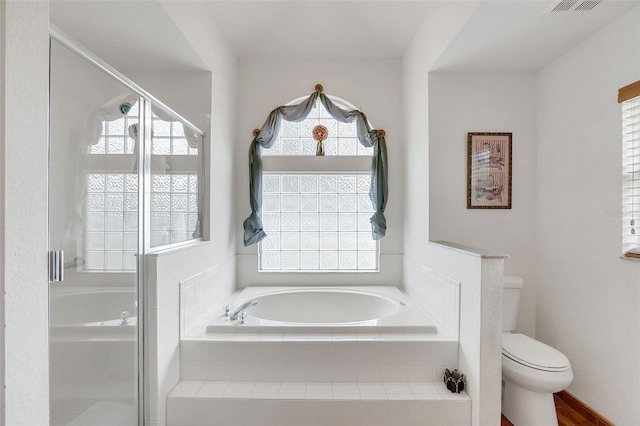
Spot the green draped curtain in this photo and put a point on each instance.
(266, 137)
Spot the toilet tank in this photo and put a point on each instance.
(512, 286)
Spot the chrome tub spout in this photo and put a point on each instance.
(241, 309)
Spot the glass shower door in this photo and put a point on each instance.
(94, 220)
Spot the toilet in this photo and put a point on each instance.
(531, 370)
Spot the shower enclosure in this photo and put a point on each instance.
(125, 179)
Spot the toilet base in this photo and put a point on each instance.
(526, 408)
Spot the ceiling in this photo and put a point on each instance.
(311, 29)
(523, 36)
(128, 35)
(499, 36)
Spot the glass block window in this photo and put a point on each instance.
(114, 137)
(112, 216)
(317, 222)
(112, 198)
(174, 208)
(176, 195)
(297, 139)
(111, 228)
(169, 138)
(111, 231)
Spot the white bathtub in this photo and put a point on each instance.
(93, 313)
(325, 309)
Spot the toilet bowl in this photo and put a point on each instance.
(531, 370)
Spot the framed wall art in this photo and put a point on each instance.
(489, 170)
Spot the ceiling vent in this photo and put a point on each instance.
(574, 5)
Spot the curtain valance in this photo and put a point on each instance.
(266, 137)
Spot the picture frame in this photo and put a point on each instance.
(489, 171)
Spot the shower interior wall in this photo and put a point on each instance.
(189, 93)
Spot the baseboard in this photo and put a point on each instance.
(594, 418)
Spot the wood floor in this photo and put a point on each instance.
(567, 416)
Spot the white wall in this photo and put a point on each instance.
(375, 87)
(2, 268)
(186, 92)
(461, 103)
(192, 19)
(167, 270)
(588, 299)
(437, 31)
(480, 292)
(24, 184)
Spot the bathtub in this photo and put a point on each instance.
(325, 310)
(93, 313)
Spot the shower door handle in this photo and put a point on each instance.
(56, 265)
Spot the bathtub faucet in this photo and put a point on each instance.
(244, 307)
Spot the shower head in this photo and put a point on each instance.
(125, 107)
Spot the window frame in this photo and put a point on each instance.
(629, 98)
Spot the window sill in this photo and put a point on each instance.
(317, 164)
(633, 259)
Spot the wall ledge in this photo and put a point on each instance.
(177, 248)
(481, 253)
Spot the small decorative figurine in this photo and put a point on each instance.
(454, 380)
(320, 133)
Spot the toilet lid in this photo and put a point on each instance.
(532, 353)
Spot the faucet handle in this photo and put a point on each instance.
(227, 310)
(123, 317)
(243, 317)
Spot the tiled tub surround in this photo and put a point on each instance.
(310, 375)
(317, 361)
(198, 300)
(167, 288)
(408, 344)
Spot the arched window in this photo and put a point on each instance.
(316, 210)
(296, 138)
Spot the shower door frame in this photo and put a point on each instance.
(144, 247)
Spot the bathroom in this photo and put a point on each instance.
(562, 237)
